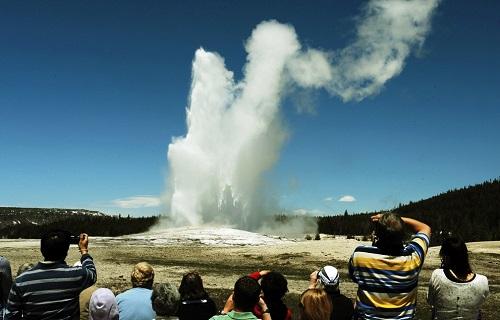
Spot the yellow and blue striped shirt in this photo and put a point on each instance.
(387, 285)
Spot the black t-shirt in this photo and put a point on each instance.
(343, 308)
(202, 309)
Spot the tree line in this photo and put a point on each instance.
(31, 223)
(472, 213)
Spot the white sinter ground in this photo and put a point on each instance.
(206, 235)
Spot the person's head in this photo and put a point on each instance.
(315, 304)
(24, 267)
(191, 287)
(274, 286)
(246, 293)
(389, 231)
(165, 299)
(454, 256)
(142, 275)
(54, 245)
(329, 279)
(102, 305)
(5, 279)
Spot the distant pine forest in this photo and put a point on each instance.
(471, 212)
(31, 223)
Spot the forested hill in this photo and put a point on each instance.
(472, 212)
(30, 223)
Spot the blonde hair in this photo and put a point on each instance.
(142, 275)
(315, 304)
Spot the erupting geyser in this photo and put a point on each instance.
(234, 128)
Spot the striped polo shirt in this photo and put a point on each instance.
(50, 290)
(387, 285)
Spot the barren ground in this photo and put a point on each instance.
(220, 265)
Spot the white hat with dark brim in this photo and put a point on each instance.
(329, 277)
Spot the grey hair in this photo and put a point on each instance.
(165, 299)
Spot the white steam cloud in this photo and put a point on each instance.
(235, 132)
(347, 198)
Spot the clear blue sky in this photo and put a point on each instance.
(92, 92)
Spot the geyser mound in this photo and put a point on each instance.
(205, 235)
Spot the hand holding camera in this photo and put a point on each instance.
(83, 243)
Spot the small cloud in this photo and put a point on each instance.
(328, 199)
(347, 198)
(137, 202)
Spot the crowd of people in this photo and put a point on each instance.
(386, 273)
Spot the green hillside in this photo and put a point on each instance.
(32, 222)
(471, 212)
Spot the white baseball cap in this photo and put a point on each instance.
(329, 276)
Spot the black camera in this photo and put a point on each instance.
(74, 239)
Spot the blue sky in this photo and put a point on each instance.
(91, 94)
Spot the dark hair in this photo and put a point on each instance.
(246, 293)
(191, 287)
(274, 286)
(390, 233)
(5, 280)
(54, 245)
(454, 256)
(165, 299)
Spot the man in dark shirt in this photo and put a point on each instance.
(51, 289)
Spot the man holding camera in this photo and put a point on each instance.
(387, 271)
(51, 289)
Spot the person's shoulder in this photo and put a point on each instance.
(29, 274)
(481, 278)
(125, 294)
(366, 249)
(437, 274)
(421, 238)
(135, 292)
(219, 317)
(344, 298)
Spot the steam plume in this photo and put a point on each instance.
(235, 132)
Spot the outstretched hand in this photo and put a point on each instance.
(376, 217)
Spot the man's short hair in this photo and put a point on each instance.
(390, 232)
(142, 275)
(54, 245)
(246, 293)
(165, 299)
(274, 286)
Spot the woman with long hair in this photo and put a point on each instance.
(455, 291)
(195, 302)
(315, 304)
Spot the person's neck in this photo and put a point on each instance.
(467, 277)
